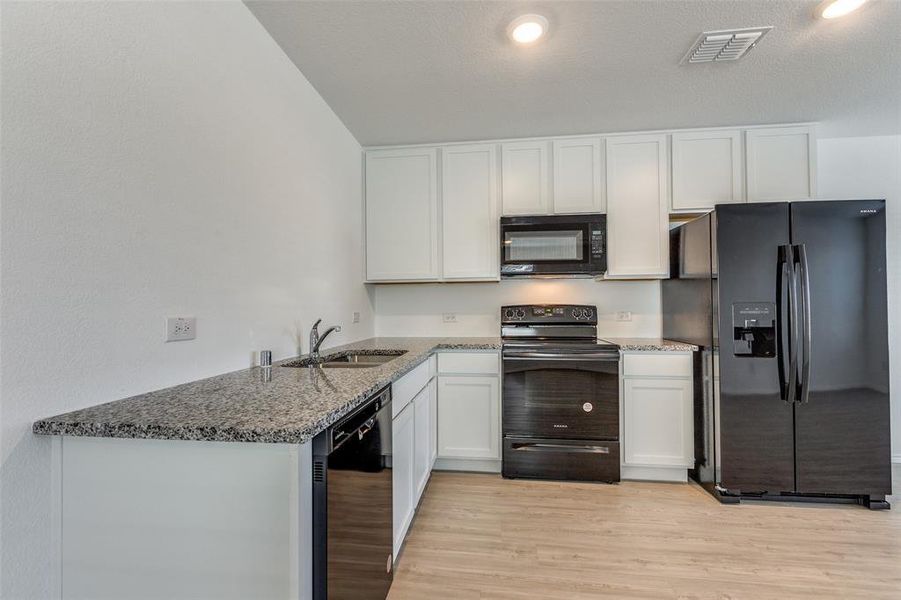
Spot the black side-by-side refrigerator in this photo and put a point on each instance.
(788, 302)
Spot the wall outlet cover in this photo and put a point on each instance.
(449, 317)
(624, 315)
(356, 317)
(179, 329)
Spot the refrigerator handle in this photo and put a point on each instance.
(783, 266)
(806, 337)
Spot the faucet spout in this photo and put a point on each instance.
(316, 339)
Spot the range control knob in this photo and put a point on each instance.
(509, 314)
(576, 315)
(586, 313)
(520, 313)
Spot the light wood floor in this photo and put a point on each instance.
(483, 537)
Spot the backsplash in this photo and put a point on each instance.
(421, 309)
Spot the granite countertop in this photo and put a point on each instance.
(650, 345)
(279, 404)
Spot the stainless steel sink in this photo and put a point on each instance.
(348, 360)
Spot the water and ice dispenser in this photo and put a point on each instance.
(754, 329)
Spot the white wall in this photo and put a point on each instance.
(157, 159)
(870, 167)
(418, 309)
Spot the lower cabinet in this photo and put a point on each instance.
(433, 423)
(657, 416)
(422, 441)
(461, 409)
(402, 463)
(469, 423)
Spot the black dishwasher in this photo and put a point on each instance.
(352, 504)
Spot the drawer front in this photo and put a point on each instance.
(468, 363)
(663, 364)
(405, 389)
(561, 459)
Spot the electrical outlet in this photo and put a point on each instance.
(624, 315)
(449, 317)
(179, 329)
(356, 317)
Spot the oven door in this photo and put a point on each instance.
(561, 395)
(553, 246)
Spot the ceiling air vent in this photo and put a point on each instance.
(729, 44)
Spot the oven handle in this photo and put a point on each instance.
(535, 447)
(556, 356)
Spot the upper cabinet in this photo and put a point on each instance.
(432, 212)
(637, 215)
(707, 169)
(781, 163)
(525, 181)
(578, 176)
(469, 212)
(402, 215)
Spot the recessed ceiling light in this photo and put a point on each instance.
(832, 9)
(527, 29)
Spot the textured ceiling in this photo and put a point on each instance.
(427, 71)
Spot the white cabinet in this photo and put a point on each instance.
(422, 441)
(524, 178)
(657, 430)
(414, 431)
(578, 176)
(402, 472)
(469, 212)
(402, 215)
(433, 423)
(707, 168)
(780, 163)
(468, 417)
(637, 213)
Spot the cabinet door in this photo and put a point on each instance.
(706, 169)
(403, 449)
(780, 163)
(422, 455)
(657, 422)
(637, 215)
(469, 210)
(578, 176)
(524, 175)
(433, 423)
(401, 215)
(469, 423)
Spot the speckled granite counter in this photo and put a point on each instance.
(650, 345)
(286, 405)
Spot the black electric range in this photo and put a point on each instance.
(560, 395)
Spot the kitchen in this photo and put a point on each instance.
(238, 169)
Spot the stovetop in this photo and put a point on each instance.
(569, 328)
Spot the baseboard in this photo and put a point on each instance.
(477, 465)
(669, 474)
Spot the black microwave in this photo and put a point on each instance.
(557, 245)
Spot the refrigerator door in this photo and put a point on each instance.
(756, 421)
(842, 414)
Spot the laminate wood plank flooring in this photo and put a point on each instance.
(479, 536)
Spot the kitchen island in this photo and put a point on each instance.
(203, 489)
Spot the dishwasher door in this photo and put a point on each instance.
(352, 506)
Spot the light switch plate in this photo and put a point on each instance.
(179, 329)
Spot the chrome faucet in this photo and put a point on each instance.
(316, 339)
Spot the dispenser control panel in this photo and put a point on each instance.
(754, 329)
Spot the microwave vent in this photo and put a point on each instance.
(725, 45)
